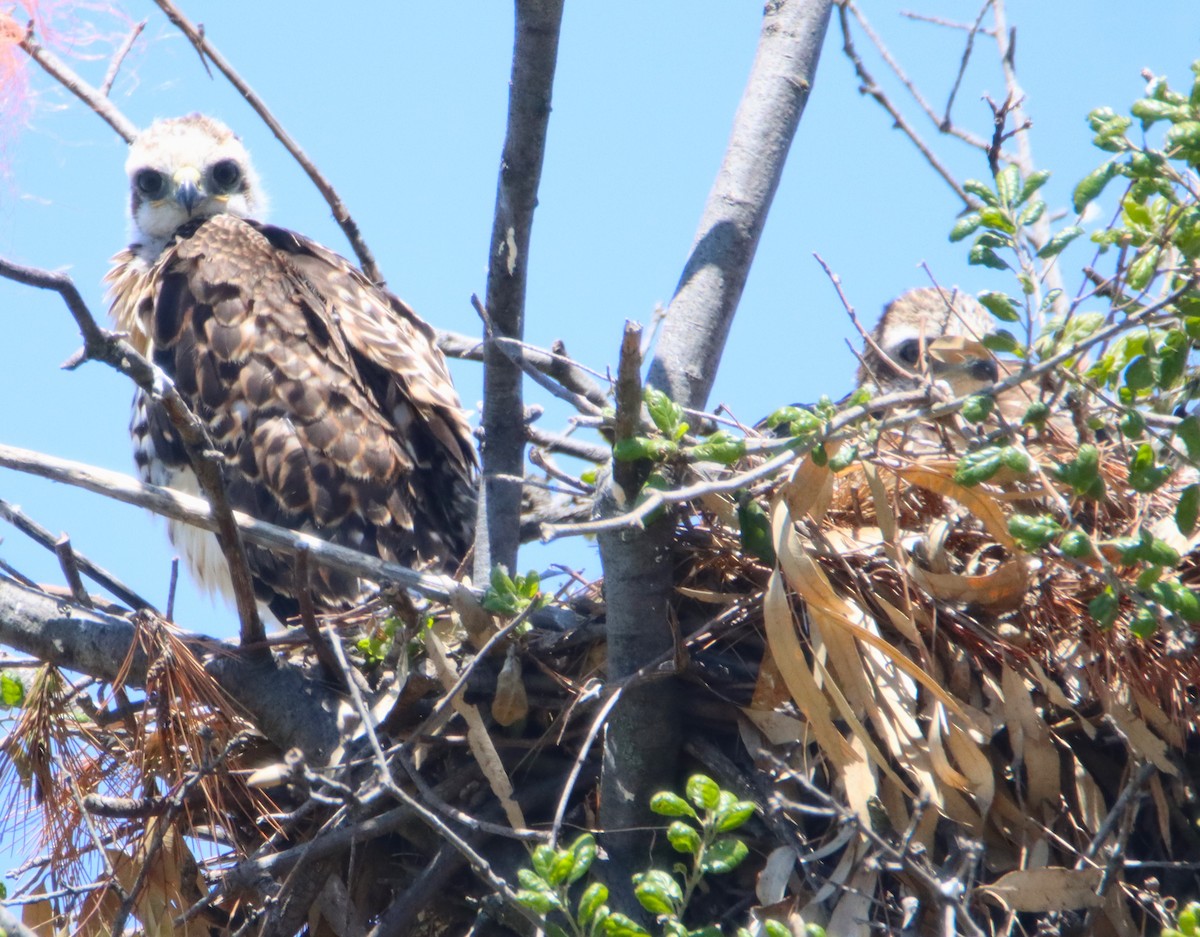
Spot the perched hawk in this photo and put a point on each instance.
(325, 395)
(934, 334)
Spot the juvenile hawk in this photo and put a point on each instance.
(934, 334)
(330, 404)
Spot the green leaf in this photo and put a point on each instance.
(735, 815)
(1160, 553)
(1140, 374)
(668, 804)
(583, 852)
(1149, 111)
(1036, 415)
(1015, 459)
(1144, 475)
(12, 691)
(590, 902)
(798, 420)
(721, 447)
(703, 791)
(966, 225)
(1188, 431)
(1188, 510)
(1033, 182)
(776, 928)
(844, 459)
(977, 467)
(1104, 608)
(724, 856)
(642, 447)
(1058, 243)
(1082, 472)
(543, 860)
(754, 528)
(1002, 341)
(561, 867)
(1001, 306)
(997, 219)
(1143, 268)
(1033, 531)
(982, 256)
(658, 892)
(541, 902)
(981, 190)
(1185, 134)
(1092, 185)
(683, 837)
(1032, 213)
(1132, 424)
(1077, 544)
(812, 930)
(1008, 183)
(978, 407)
(618, 925)
(1144, 622)
(665, 412)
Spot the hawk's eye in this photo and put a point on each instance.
(908, 352)
(985, 370)
(226, 174)
(150, 182)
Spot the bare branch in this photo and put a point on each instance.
(871, 89)
(119, 56)
(699, 316)
(66, 76)
(100, 345)
(42, 536)
(341, 214)
(535, 53)
(289, 708)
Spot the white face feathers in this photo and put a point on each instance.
(186, 168)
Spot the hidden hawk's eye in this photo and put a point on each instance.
(226, 174)
(150, 183)
(908, 352)
(985, 370)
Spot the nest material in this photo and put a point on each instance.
(948, 686)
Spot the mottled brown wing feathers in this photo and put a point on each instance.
(332, 406)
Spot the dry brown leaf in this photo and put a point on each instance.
(510, 704)
(1002, 589)
(776, 727)
(938, 477)
(1049, 889)
(789, 657)
(477, 735)
(1145, 744)
(809, 490)
(1031, 742)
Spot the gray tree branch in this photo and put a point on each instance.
(642, 740)
(289, 708)
(535, 54)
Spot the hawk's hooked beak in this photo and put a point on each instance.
(956, 359)
(187, 188)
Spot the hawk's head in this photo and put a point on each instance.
(936, 334)
(184, 168)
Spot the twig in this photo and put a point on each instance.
(119, 56)
(197, 512)
(341, 214)
(943, 124)
(308, 621)
(535, 54)
(966, 57)
(171, 586)
(871, 89)
(66, 76)
(515, 353)
(628, 476)
(556, 442)
(100, 345)
(41, 535)
(70, 568)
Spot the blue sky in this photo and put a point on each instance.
(404, 111)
